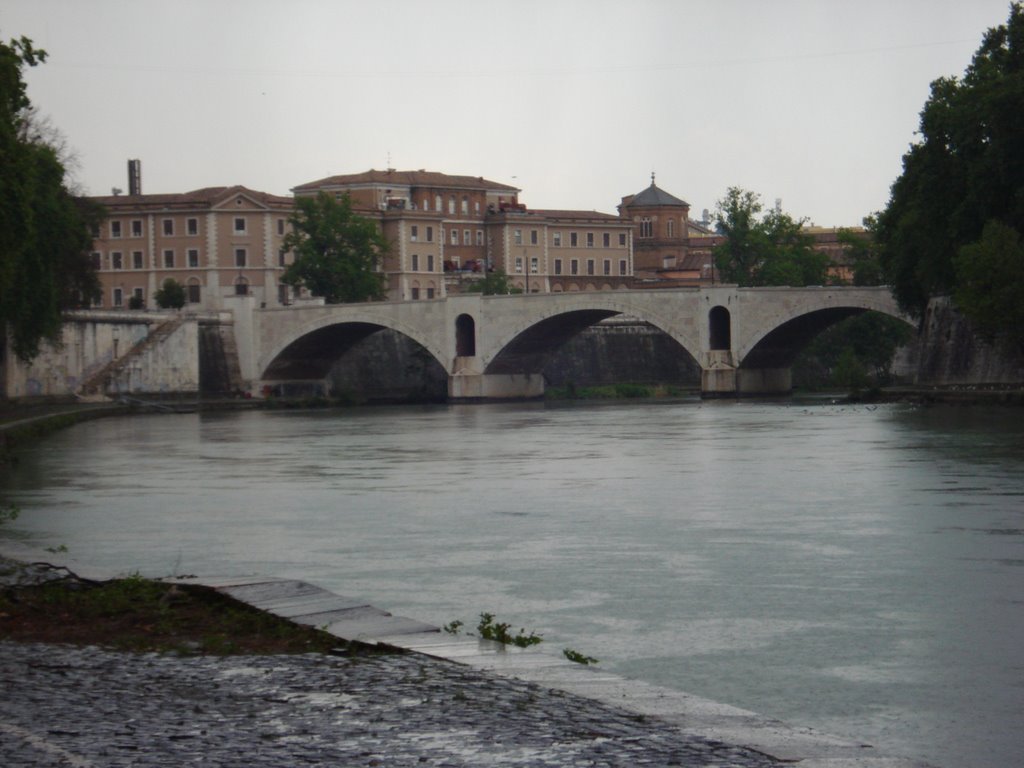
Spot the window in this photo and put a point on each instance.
(168, 259)
(455, 237)
(415, 262)
(118, 300)
(479, 237)
(467, 237)
(465, 205)
(607, 239)
(519, 263)
(415, 293)
(534, 264)
(622, 266)
(558, 266)
(241, 287)
(192, 226)
(282, 295)
(192, 291)
(282, 260)
(193, 257)
(414, 233)
(430, 234)
(136, 259)
(670, 228)
(280, 226)
(430, 293)
(430, 262)
(115, 260)
(136, 227)
(573, 239)
(533, 237)
(574, 267)
(517, 236)
(437, 202)
(476, 206)
(138, 294)
(240, 225)
(240, 255)
(607, 266)
(646, 228)
(451, 205)
(622, 239)
(590, 266)
(94, 229)
(556, 239)
(115, 229)
(168, 226)
(97, 260)
(590, 239)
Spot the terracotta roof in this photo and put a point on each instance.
(407, 178)
(205, 197)
(654, 196)
(579, 215)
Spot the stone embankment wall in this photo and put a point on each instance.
(92, 343)
(949, 353)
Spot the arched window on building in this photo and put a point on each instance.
(646, 227)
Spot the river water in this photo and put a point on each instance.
(853, 568)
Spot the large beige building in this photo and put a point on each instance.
(448, 231)
(217, 242)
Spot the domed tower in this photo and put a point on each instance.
(660, 229)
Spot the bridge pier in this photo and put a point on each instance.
(752, 382)
(476, 387)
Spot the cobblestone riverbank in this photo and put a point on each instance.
(85, 707)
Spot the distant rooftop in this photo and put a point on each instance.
(420, 178)
(653, 196)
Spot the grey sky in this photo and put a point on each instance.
(574, 101)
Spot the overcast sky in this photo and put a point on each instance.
(575, 102)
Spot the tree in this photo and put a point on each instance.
(967, 169)
(989, 288)
(337, 252)
(495, 283)
(862, 249)
(768, 250)
(44, 229)
(171, 295)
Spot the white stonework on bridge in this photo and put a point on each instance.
(744, 339)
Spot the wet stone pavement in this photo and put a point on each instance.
(85, 707)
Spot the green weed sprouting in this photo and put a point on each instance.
(489, 630)
(577, 657)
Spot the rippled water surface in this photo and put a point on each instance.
(856, 569)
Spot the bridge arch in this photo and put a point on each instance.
(779, 337)
(525, 345)
(312, 350)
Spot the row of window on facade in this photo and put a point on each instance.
(646, 228)
(518, 237)
(240, 226)
(399, 202)
(193, 292)
(137, 259)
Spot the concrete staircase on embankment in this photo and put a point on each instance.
(99, 382)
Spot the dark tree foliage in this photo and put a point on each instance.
(862, 249)
(171, 295)
(337, 251)
(865, 342)
(44, 230)
(966, 170)
(989, 288)
(495, 283)
(768, 250)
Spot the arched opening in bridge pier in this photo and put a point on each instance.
(357, 361)
(465, 336)
(719, 329)
(598, 347)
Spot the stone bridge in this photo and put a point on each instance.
(494, 347)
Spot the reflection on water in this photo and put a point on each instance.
(853, 568)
